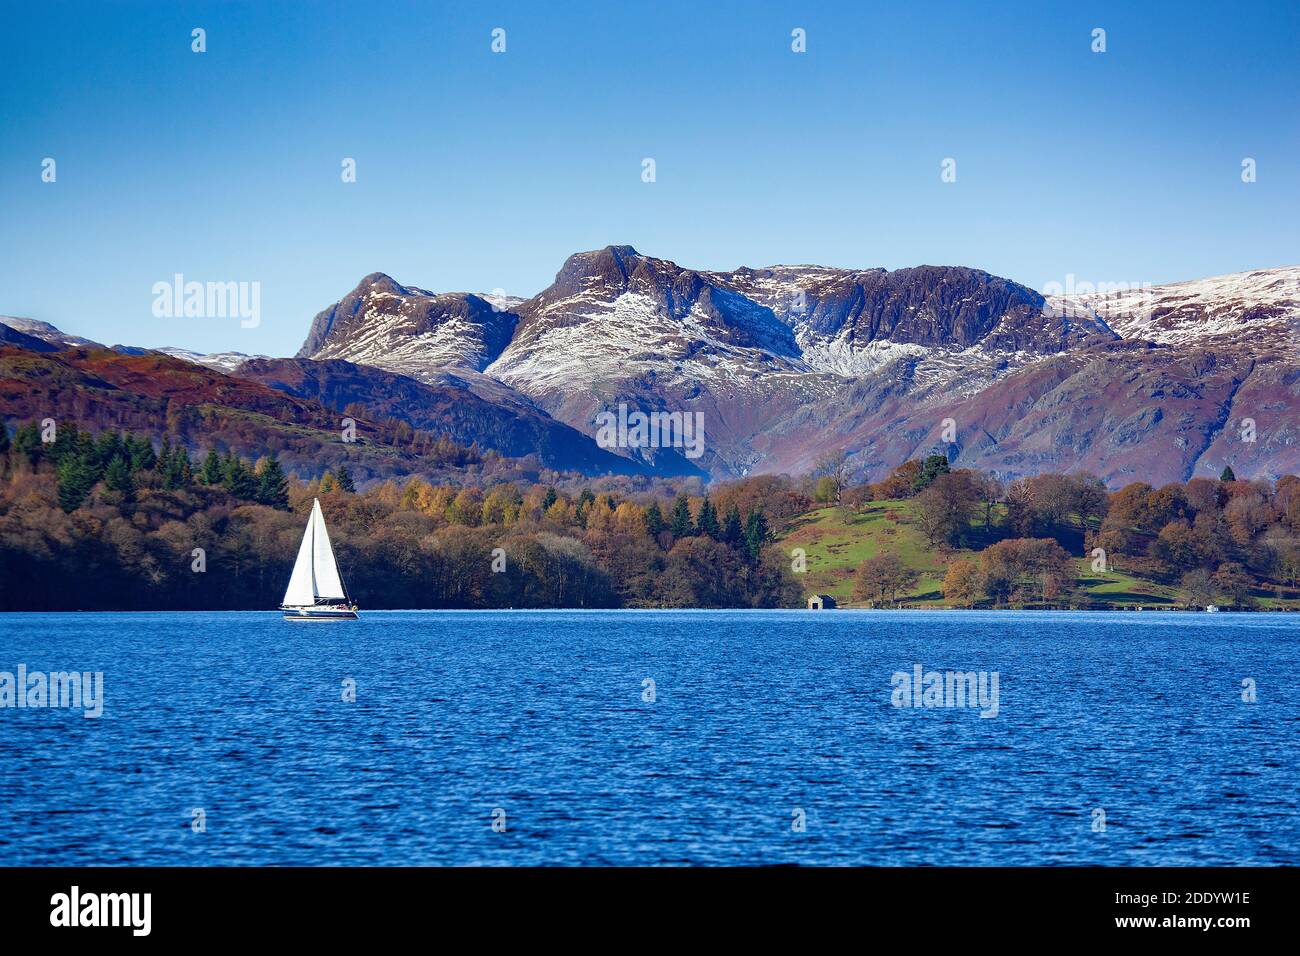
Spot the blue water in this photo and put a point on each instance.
(755, 714)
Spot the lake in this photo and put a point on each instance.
(519, 737)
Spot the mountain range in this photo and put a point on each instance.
(788, 363)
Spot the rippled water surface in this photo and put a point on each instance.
(755, 714)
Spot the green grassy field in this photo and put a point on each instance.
(837, 541)
(1116, 588)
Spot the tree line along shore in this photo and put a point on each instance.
(140, 524)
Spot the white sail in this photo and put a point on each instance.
(324, 567)
(301, 591)
(315, 572)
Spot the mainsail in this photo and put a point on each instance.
(315, 573)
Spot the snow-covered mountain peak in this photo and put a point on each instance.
(411, 330)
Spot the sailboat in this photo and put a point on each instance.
(316, 591)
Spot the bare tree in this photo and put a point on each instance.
(883, 576)
(946, 506)
(991, 491)
(832, 469)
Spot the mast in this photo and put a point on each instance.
(311, 530)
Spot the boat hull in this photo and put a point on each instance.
(319, 613)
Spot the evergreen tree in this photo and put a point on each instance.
(343, 478)
(582, 506)
(117, 477)
(1228, 474)
(175, 469)
(212, 472)
(27, 441)
(76, 478)
(706, 522)
(733, 530)
(67, 439)
(272, 486)
(238, 480)
(757, 534)
(107, 447)
(654, 520)
(550, 499)
(164, 455)
(143, 457)
(4, 438)
(931, 468)
(679, 522)
(83, 447)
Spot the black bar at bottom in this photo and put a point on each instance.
(332, 905)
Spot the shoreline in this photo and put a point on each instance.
(677, 610)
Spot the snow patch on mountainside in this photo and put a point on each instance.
(500, 301)
(843, 357)
(1185, 312)
(386, 341)
(592, 341)
(786, 290)
(227, 362)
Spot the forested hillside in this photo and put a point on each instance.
(116, 520)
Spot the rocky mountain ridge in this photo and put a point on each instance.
(787, 363)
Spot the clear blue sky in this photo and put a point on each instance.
(478, 171)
